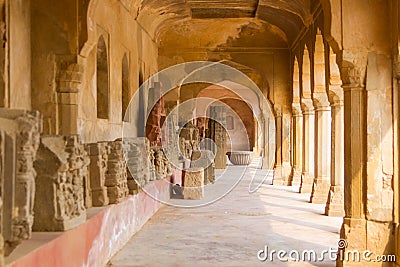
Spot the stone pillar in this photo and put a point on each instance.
(322, 178)
(61, 165)
(278, 152)
(69, 79)
(116, 176)
(307, 176)
(98, 153)
(20, 134)
(217, 133)
(282, 165)
(297, 150)
(354, 223)
(335, 205)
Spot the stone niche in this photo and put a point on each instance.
(116, 174)
(19, 140)
(98, 153)
(138, 163)
(62, 167)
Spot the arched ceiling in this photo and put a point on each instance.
(288, 15)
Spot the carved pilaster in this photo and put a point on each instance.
(116, 175)
(98, 153)
(62, 167)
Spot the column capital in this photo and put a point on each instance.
(353, 68)
(278, 110)
(296, 109)
(307, 106)
(320, 101)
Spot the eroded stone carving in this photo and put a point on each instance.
(59, 199)
(161, 164)
(138, 167)
(20, 140)
(116, 175)
(98, 153)
(193, 185)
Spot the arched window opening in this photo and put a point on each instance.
(125, 90)
(102, 80)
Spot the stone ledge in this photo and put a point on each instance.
(94, 242)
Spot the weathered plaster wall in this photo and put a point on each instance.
(20, 54)
(124, 35)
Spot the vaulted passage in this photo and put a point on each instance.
(198, 132)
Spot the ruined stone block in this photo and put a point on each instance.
(20, 135)
(62, 167)
(98, 153)
(204, 159)
(193, 183)
(116, 175)
(138, 164)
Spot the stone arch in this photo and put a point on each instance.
(296, 81)
(126, 94)
(320, 97)
(102, 78)
(306, 75)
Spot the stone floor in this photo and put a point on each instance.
(231, 231)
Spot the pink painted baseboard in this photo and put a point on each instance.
(96, 241)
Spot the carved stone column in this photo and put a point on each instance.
(354, 223)
(322, 179)
(116, 176)
(307, 176)
(20, 140)
(98, 153)
(335, 205)
(297, 149)
(62, 166)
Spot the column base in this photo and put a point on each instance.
(295, 177)
(361, 235)
(320, 191)
(335, 205)
(282, 175)
(306, 185)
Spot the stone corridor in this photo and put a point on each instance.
(108, 108)
(232, 230)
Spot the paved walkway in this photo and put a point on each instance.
(230, 231)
